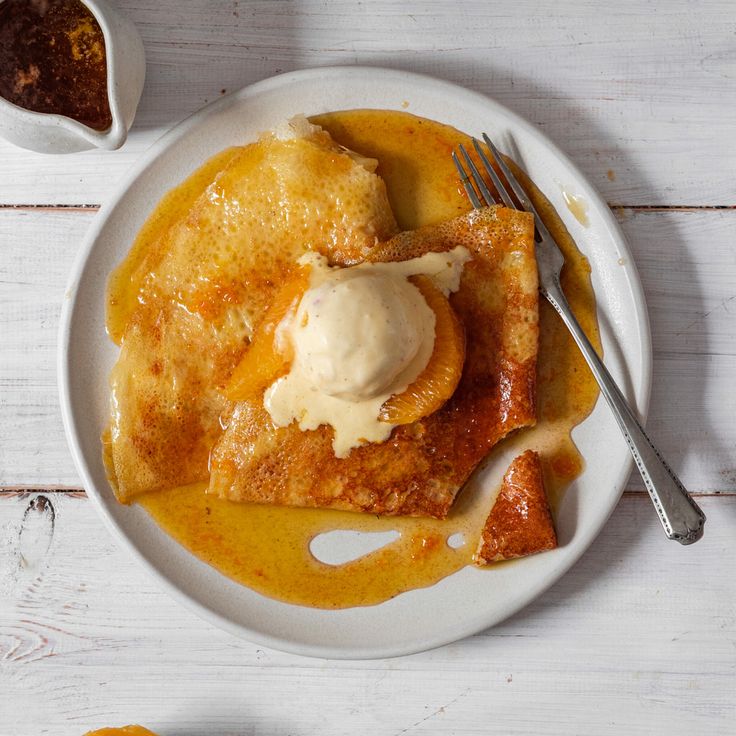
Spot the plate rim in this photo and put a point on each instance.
(641, 391)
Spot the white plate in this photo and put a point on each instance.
(468, 601)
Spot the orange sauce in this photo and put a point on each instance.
(578, 207)
(268, 548)
(124, 284)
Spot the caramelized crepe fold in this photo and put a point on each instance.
(520, 522)
(184, 302)
(420, 469)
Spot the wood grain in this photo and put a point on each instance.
(690, 289)
(615, 647)
(640, 90)
(639, 638)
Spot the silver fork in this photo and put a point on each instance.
(681, 517)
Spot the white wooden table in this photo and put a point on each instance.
(640, 636)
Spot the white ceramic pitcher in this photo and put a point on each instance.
(126, 71)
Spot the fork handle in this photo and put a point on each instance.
(681, 517)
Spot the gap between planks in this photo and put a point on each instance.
(21, 490)
(51, 207)
(615, 207)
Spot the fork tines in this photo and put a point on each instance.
(477, 189)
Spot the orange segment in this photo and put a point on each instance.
(263, 362)
(438, 381)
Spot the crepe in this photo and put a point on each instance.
(520, 522)
(420, 469)
(185, 301)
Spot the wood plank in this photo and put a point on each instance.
(615, 647)
(691, 295)
(685, 259)
(37, 252)
(644, 96)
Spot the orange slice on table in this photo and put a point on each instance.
(438, 381)
(123, 731)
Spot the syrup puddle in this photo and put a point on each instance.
(577, 206)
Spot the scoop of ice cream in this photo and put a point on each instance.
(357, 331)
(360, 335)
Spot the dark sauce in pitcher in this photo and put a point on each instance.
(53, 60)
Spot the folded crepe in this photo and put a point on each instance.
(421, 467)
(183, 304)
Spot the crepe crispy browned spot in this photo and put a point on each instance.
(420, 469)
(188, 296)
(520, 522)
